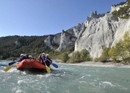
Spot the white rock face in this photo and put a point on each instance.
(124, 27)
(69, 37)
(77, 29)
(94, 34)
(53, 40)
(66, 41)
(98, 33)
(48, 40)
(57, 38)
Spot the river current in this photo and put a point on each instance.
(66, 79)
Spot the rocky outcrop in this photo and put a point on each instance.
(53, 40)
(64, 39)
(67, 40)
(122, 29)
(69, 37)
(97, 32)
(101, 32)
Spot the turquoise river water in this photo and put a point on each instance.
(66, 79)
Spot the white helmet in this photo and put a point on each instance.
(47, 54)
(21, 55)
(30, 56)
(43, 53)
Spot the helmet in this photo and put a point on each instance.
(47, 54)
(30, 56)
(21, 55)
(43, 53)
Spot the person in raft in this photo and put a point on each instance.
(30, 57)
(48, 61)
(22, 56)
(41, 58)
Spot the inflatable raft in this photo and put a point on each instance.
(31, 65)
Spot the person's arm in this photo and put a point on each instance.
(49, 60)
(43, 59)
(20, 59)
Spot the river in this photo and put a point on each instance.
(66, 79)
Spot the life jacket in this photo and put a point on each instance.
(40, 59)
(48, 61)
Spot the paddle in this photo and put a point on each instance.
(8, 68)
(55, 65)
(10, 65)
(47, 68)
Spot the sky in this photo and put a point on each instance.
(44, 17)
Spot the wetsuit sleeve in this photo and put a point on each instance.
(20, 59)
(49, 60)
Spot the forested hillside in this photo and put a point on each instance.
(12, 46)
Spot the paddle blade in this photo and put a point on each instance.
(11, 63)
(55, 65)
(48, 69)
(8, 68)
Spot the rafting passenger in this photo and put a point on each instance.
(41, 58)
(48, 60)
(30, 57)
(26, 56)
(22, 56)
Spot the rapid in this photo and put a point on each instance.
(66, 78)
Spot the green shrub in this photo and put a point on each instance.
(103, 59)
(83, 55)
(80, 56)
(65, 57)
(96, 59)
(123, 12)
(121, 50)
(75, 58)
(104, 56)
(88, 58)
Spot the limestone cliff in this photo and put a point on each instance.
(53, 40)
(98, 31)
(64, 39)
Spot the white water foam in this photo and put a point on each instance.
(19, 82)
(19, 91)
(106, 83)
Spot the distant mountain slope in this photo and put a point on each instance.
(13, 46)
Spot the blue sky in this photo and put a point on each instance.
(44, 17)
